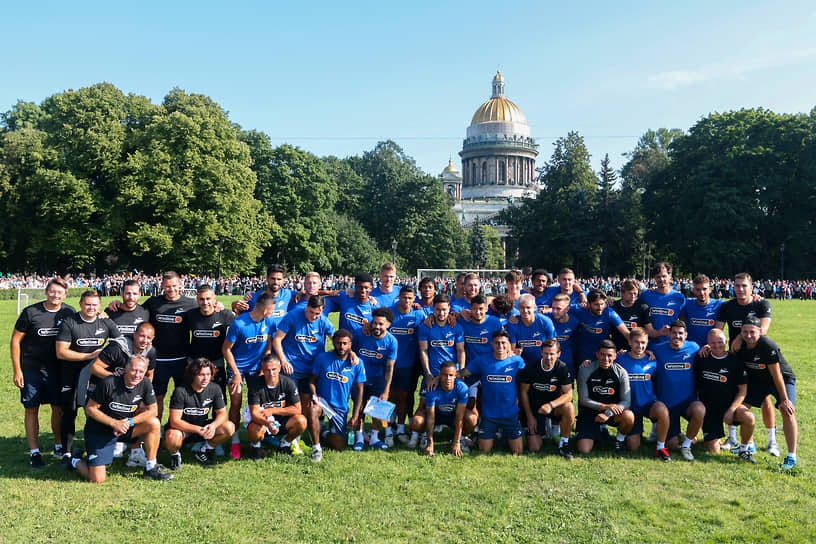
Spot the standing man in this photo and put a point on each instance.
(385, 294)
(664, 303)
(198, 412)
(113, 415)
(633, 312)
(545, 392)
(79, 342)
(274, 406)
(566, 285)
(35, 365)
(354, 312)
(603, 399)
(596, 322)
(529, 330)
(129, 314)
(427, 292)
(721, 383)
(274, 288)
(208, 329)
(405, 329)
(566, 327)
(472, 287)
(246, 342)
(540, 280)
(500, 407)
(769, 374)
(334, 380)
(479, 329)
(700, 312)
(676, 388)
(172, 342)
(377, 351)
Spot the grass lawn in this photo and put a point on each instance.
(399, 496)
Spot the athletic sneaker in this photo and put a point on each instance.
(663, 454)
(58, 451)
(378, 445)
(747, 456)
(157, 473)
(36, 460)
(296, 448)
(317, 455)
(620, 447)
(137, 458)
(389, 440)
(65, 463)
(463, 445)
(773, 449)
(731, 444)
(358, 446)
(789, 463)
(423, 442)
(412, 442)
(175, 461)
(752, 446)
(686, 454)
(403, 438)
(255, 453)
(565, 452)
(652, 435)
(119, 450)
(235, 451)
(206, 457)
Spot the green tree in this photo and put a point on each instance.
(356, 250)
(479, 246)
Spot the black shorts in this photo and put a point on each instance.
(101, 447)
(541, 421)
(164, 371)
(757, 391)
(675, 413)
(713, 422)
(640, 413)
(69, 379)
(35, 388)
(404, 378)
(586, 428)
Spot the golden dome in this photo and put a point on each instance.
(498, 109)
(450, 168)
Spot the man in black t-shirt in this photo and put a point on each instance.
(35, 366)
(129, 314)
(274, 406)
(720, 380)
(545, 392)
(114, 357)
(633, 312)
(122, 407)
(79, 341)
(208, 328)
(197, 412)
(770, 374)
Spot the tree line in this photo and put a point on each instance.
(97, 180)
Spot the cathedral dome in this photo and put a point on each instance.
(498, 107)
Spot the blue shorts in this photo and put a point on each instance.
(373, 387)
(510, 425)
(641, 412)
(675, 413)
(247, 376)
(101, 447)
(35, 389)
(443, 418)
(166, 370)
(404, 378)
(757, 391)
(339, 424)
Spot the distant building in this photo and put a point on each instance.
(498, 161)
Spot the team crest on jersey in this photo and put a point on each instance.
(337, 377)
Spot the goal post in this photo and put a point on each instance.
(492, 279)
(26, 296)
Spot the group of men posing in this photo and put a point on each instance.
(495, 368)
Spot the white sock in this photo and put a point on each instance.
(375, 437)
(620, 437)
(389, 431)
(661, 445)
(236, 439)
(256, 444)
(743, 447)
(792, 456)
(771, 435)
(732, 433)
(414, 435)
(317, 447)
(35, 450)
(285, 443)
(564, 441)
(400, 428)
(151, 464)
(687, 443)
(359, 436)
(207, 446)
(75, 461)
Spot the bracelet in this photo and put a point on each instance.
(130, 420)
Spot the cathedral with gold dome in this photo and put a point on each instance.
(498, 161)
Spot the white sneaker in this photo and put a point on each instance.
(466, 441)
(652, 435)
(389, 440)
(137, 458)
(423, 442)
(403, 438)
(119, 450)
(686, 454)
(463, 445)
(773, 449)
(412, 442)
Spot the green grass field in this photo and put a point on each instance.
(400, 496)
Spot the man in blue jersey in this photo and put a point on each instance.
(529, 330)
(566, 285)
(354, 311)
(300, 337)
(385, 294)
(405, 329)
(540, 281)
(472, 287)
(566, 327)
(446, 405)
(633, 312)
(665, 304)
(274, 287)
(644, 402)
(427, 292)
(377, 351)
(478, 329)
(500, 406)
(700, 312)
(334, 380)
(675, 386)
(246, 342)
(596, 322)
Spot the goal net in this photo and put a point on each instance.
(445, 278)
(27, 296)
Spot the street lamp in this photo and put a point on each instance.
(394, 252)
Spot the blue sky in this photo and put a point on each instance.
(334, 78)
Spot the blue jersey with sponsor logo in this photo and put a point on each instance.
(385, 300)
(304, 340)
(405, 329)
(427, 310)
(551, 291)
(640, 378)
(335, 378)
(530, 337)
(353, 314)
(503, 317)
(282, 301)
(478, 337)
(593, 329)
(441, 343)
(446, 401)
(675, 372)
(250, 338)
(459, 304)
(700, 319)
(663, 309)
(499, 397)
(374, 352)
(565, 333)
